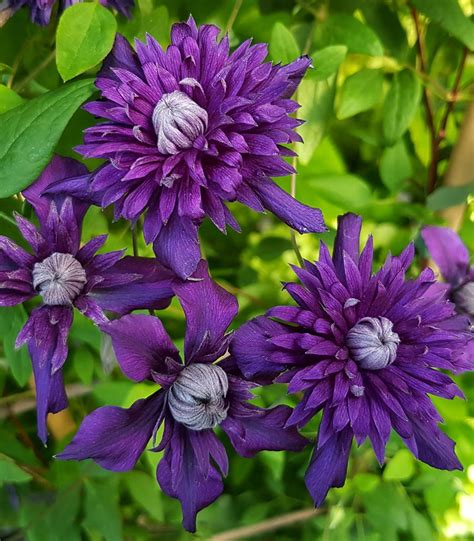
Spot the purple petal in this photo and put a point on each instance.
(58, 169)
(252, 349)
(448, 252)
(347, 240)
(116, 437)
(297, 215)
(141, 345)
(150, 290)
(261, 429)
(181, 475)
(209, 310)
(295, 72)
(328, 466)
(177, 245)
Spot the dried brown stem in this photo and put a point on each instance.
(247, 532)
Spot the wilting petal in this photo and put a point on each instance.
(298, 216)
(448, 252)
(182, 475)
(141, 345)
(209, 310)
(328, 465)
(116, 437)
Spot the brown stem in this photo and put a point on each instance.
(269, 525)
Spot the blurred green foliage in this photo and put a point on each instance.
(368, 148)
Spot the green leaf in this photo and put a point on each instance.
(270, 248)
(11, 473)
(145, 491)
(327, 61)
(317, 100)
(387, 25)
(360, 92)
(448, 14)
(12, 320)
(102, 512)
(449, 196)
(395, 166)
(9, 99)
(84, 37)
(283, 46)
(401, 467)
(342, 29)
(30, 133)
(83, 362)
(400, 105)
(345, 191)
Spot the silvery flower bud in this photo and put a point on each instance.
(59, 279)
(197, 397)
(372, 343)
(178, 121)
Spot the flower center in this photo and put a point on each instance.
(59, 279)
(178, 121)
(372, 343)
(463, 298)
(197, 397)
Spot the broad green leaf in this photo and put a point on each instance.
(395, 166)
(30, 133)
(345, 191)
(401, 467)
(400, 105)
(9, 99)
(102, 511)
(11, 473)
(360, 92)
(342, 29)
(84, 37)
(448, 14)
(449, 196)
(283, 46)
(366, 482)
(387, 25)
(270, 248)
(317, 101)
(327, 61)
(83, 363)
(146, 492)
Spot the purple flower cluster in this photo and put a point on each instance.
(364, 348)
(41, 10)
(187, 130)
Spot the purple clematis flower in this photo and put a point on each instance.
(40, 10)
(65, 276)
(188, 130)
(364, 348)
(195, 397)
(452, 258)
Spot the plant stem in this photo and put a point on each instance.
(233, 15)
(35, 72)
(437, 135)
(134, 240)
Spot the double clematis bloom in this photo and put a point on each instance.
(452, 258)
(194, 397)
(364, 348)
(188, 129)
(41, 10)
(67, 276)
